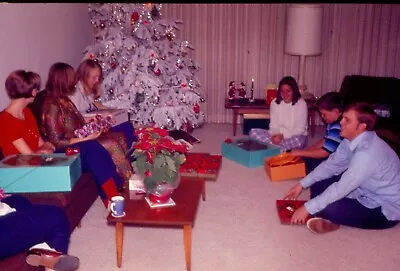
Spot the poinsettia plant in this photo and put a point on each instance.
(157, 157)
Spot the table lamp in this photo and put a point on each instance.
(303, 34)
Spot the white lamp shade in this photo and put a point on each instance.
(303, 29)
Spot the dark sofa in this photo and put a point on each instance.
(384, 94)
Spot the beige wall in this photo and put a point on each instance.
(34, 36)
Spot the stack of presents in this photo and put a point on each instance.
(253, 153)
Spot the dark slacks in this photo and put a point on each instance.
(96, 159)
(30, 225)
(350, 212)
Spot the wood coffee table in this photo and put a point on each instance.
(183, 214)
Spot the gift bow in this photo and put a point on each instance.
(283, 159)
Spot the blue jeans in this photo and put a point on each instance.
(312, 163)
(350, 212)
(30, 225)
(128, 130)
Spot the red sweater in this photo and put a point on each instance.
(13, 128)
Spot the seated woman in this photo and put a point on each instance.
(86, 97)
(24, 137)
(60, 119)
(288, 124)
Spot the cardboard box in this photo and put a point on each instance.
(248, 151)
(40, 173)
(119, 115)
(201, 165)
(284, 167)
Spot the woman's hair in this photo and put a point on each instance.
(84, 69)
(34, 79)
(20, 84)
(61, 79)
(364, 113)
(291, 82)
(329, 101)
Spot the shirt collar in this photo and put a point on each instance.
(357, 141)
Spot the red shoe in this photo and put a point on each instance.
(52, 259)
(320, 225)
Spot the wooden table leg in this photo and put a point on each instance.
(187, 239)
(203, 193)
(119, 235)
(235, 117)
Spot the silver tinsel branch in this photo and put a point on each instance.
(146, 69)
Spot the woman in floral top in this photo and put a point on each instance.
(60, 118)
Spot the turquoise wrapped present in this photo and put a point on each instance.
(248, 151)
(54, 172)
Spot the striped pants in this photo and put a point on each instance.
(294, 142)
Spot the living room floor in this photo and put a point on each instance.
(236, 228)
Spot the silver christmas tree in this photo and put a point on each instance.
(146, 69)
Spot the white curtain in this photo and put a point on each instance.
(244, 41)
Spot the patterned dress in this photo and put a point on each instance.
(60, 118)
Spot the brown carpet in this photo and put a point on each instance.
(236, 229)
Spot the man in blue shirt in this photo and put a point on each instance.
(368, 193)
(330, 106)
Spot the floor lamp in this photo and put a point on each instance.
(303, 35)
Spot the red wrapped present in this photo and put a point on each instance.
(201, 165)
(286, 209)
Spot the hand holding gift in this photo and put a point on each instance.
(95, 126)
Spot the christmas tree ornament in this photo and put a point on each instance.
(102, 25)
(157, 72)
(202, 100)
(196, 108)
(135, 17)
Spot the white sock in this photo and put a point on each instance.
(42, 246)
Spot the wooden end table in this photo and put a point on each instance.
(259, 106)
(183, 214)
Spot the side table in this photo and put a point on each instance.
(183, 214)
(259, 106)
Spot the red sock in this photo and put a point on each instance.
(110, 189)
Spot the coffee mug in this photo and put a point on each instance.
(117, 206)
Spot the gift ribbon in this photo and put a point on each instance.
(282, 160)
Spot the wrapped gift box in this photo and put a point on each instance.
(284, 167)
(55, 172)
(118, 115)
(248, 152)
(201, 165)
(286, 209)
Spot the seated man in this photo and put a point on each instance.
(367, 195)
(41, 229)
(330, 107)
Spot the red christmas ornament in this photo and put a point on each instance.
(91, 56)
(71, 151)
(135, 17)
(157, 72)
(113, 65)
(196, 108)
(183, 85)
